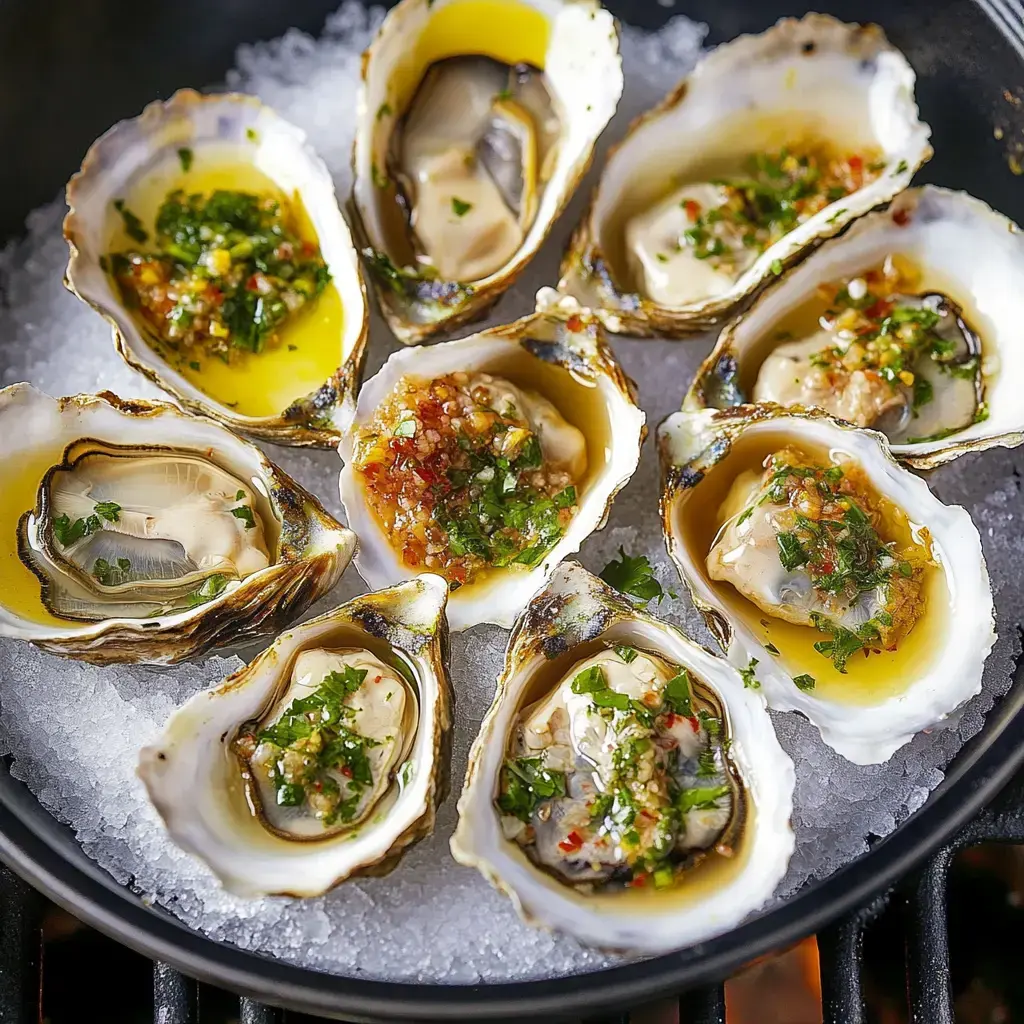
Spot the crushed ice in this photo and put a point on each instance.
(74, 730)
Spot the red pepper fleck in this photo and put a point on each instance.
(694, 723)
(878, 310)
(308, 248)
(253, 284)
(900, 217)
(378, 679)
(574, 324)
(856, 164)
(639, 882)
(346, 771)
(572, 842)
(692, 208)
(670, 720)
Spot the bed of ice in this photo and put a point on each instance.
(74, 730)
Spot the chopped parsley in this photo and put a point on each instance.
(245, 513)
(67, 532)
(700, 798)
(748, 677)
(459, 207)
(627, 654)
(111, 574)
(185, 158)
(592, 681)
(677, 694)
(213, 586)
(804, 681)
(526, 784)
(847, 642)
(132, 225)
(633, 576)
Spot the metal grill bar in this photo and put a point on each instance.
(175, 997)
(928, 981)
(20, 947)
(703, 1006)
(257, 1013)
(840, 955)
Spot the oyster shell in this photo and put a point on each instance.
(321, 760)
(476, 122)
(828, 572)
(941, 252)
(489, 459)
(775, 142)
(151, 535)
(295, 387)
(593, 688)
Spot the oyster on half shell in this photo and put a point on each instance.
(827, 571)
(775, 142)
(150, 535)
(476, 121)
(321, 760)
(489, 459)
(907, 323)
(625, 787)
(207, 232)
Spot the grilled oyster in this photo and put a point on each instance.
(476, 122)
(827, 572)
(324, 758)
(489, 459)
(625, 787)
(208, 233)
(775, 142)
(151, 535)
(907, 323)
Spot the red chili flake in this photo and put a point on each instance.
(426, 474)
(318, 785)
(692, 208)
(879, 310)
(378, 679)
(639, 882)
(900, 217)
(346, 771)
(574, 324)
(308, 248)
(856, 164)
(572, 842)
(694, 723)
(647, 814)
(253, 284)
(670, 720)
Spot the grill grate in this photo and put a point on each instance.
(922, 896)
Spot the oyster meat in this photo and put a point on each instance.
(151, 535)
(827, 573)
(476, 121)
(630, 791)
(490, 458)
(904, 324)
(772, 144)
(208, 233)
(322, 759)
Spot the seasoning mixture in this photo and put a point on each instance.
(467, 472)
(619, 777)
(725, 224)
(882, 355)
(808, 548)
(326, 756)
(225, 272)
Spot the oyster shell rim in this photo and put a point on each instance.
(922, 455)
(483, 295)
(682, 472)
(287, 427)
(771, 796)
(643, 318)
(586, 351)
(430, 788)
(306, 568)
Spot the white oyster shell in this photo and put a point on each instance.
(695, 446)
(564, 335)
(309, 549)
(845, 82)
(134, 149)
(973, 252)
(575, 609)
(583, 72)
(194, 779)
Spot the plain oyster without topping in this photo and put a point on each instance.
(476, 121)
(489, 459)
(775, 142)
(907, 323)
(321, 760)
(827, 572)
(139, 533)
(625, 787)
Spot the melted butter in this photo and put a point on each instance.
(869, 678)
(712, 872)
(19, 587)
(308, 349)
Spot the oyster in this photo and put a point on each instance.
(625, 787)
(207, 232)
(476, 121)
(151, 535)
(828, 573)
(324, 758)
(907, 323)
(775, 142)
(489, 459)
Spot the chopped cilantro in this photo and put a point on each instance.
(526, 784)
(633, 576)
(111, 574)
(677, 694)
(459, 207)
(592, 681)
(748, 677)
(132, 224)
(700, 798)
(211, 587)
(185, 156)
(776, 267)
(846, 642)
(627, 654)
(245, 513)
(804, 681)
